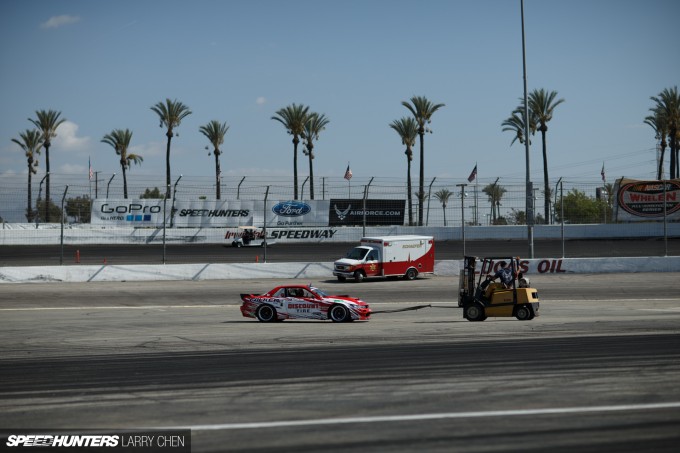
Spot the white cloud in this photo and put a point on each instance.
(60, 21)
(67, 138)
(261, 100)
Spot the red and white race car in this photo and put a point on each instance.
(303, 302)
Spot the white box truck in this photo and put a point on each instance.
(387, 256)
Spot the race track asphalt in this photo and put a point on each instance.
(597, 371)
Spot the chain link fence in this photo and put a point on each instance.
(445, 202)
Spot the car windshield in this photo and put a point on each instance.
(319, 292)
(357, 254)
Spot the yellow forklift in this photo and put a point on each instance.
(482, 297)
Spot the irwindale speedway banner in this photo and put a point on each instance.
(644, 200)
(203, 213)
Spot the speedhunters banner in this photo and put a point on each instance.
(350, 212)
(206, 214)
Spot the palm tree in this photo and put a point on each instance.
(293, 118)
(171, 114)
(47, 123)
(119, 140)
(515, 123)
(215, 132)
(314, 125)
(495, 193)
(658, 122)
(31, 143)
(407, 128)
(443, 196)
(668, 107)
(542, 105)
(422, 110)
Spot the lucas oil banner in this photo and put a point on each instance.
(206, 214)
(645, 200)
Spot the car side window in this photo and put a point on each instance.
(280, 293)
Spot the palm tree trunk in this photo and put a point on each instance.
(167, 165)
(421, 188)
(47, 181)
(444, 209)
(124, 181)
(659, 173)
(674, 153)
(311, 176)
(29, 209)
(218, 191)
(296, 140)
(409, 192)
(310, 149)
(546, 182)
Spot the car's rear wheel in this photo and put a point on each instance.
(523, 313)
(474, 312)
(411, 274)
(266, 313)
(339, 313)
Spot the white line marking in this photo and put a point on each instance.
(419, 417)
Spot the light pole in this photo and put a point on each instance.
(559, 183)
(429, 192)
(37, 202)
(462, 211)
(172, 209)
(96, 184)
(107, 186)
(529, 187)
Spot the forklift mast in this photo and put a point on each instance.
(467, 278)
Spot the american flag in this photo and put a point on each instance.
(473, 175)
(602, 172)
(89, 162)
(348, 173)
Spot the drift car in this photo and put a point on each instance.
(303, 302)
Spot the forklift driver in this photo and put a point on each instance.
(505, 274)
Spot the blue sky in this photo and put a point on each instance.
(104, 64)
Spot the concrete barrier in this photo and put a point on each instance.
(147, 272)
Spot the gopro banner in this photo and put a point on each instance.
(647, 200)
(350, 212)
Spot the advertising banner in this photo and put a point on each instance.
(294, 213)
(644, 200)
(203, 213)
(350, 212)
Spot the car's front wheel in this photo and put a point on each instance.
(266, 313)
(339, 313)
(358, 276)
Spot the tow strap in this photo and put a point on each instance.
(417, 307)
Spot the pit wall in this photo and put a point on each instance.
(198, 272)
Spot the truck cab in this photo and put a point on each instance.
(360, 262)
